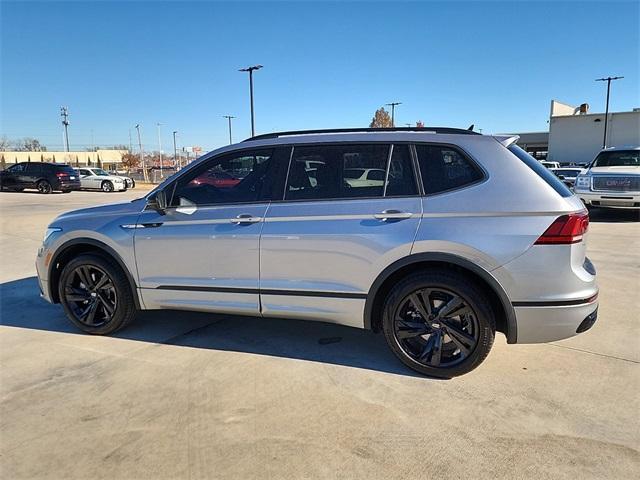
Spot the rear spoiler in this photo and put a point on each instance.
(507, 140)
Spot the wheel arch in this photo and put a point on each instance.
(505, 313)
(78, 246)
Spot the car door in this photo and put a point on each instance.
(11, 176)
(203, 252)
(30, 176)
(323, 245)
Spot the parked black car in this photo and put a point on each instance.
(45, 177)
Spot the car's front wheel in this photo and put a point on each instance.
(107, 186)
(44, 187)
(96, 295)
(438, 323)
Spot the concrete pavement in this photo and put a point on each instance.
(181, 395)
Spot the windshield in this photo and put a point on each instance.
(619, 158)
(100, 172)
(353, 173)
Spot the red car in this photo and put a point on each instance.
(218, 179)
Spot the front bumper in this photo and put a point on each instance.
(609, 199)
(540, 324)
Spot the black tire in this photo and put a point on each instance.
(464, 337)
(107, 186)
(96, 309)
(133, 183)
(66, 191)
(44, 187)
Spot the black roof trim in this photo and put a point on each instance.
(441, 130)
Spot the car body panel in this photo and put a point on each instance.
(89, 179)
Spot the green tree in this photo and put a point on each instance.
(381, 119)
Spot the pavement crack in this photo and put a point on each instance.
(595, 353)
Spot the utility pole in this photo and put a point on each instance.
(393, 111)
(130, 146)
(144, 170)
(250, 70)
(160, 149)
(606, 114)
(64, 113)
(229, 117)
(175, 150)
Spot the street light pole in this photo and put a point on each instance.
(250, 70)
(64, 113)
(229, 117)
(144, 170)
(606, 113)
(160, 149)
(393, 111)
(175, 150)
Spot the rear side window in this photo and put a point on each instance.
(337, 171)
(64, 169)
(444, 168)
(542, 171)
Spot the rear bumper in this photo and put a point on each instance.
(68, 185)
(629, 200)
(539, 324)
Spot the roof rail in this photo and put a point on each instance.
(441, 130)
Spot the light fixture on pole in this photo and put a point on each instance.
(229, 118)
(606, 113)
(393, 111)
(250, 70)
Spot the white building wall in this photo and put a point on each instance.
(578, 138)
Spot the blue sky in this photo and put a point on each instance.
(494, 64)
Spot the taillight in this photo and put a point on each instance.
(61, 174)
(565, 230)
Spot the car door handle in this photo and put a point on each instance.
(392, 215)
(245, 218)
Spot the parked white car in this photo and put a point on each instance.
(549, 164)
(364, 177)
(612, 180)
(98, 179)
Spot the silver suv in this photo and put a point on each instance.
(459, 236)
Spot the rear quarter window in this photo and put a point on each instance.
(445, 168)
(543, 172)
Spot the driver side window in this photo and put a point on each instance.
(239, 177)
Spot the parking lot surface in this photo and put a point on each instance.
(181, 395)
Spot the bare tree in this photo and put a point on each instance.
(420, 124)
(5, 144)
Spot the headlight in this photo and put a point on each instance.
(50, 231)
(583, 181)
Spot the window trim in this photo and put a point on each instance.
(174, 183)
(379, 142)
(465, 154)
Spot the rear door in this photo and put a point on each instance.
(31, 174)
(326, 241)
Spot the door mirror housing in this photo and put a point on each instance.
(158, 202)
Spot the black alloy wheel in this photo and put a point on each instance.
(96, 294)
(91, 295)
(107, 186)
(438, 323)
(44, 187)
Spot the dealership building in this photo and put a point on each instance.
(575, 135)
(107, 159)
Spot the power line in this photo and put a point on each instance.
(606, 113)
(393, 111)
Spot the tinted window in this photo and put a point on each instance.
(618, 158)
(402, 180)
(34, 169)
(234, 178)
(63, 168)
(444, 168)
(542, 171)
(20, 167)
(337, 172)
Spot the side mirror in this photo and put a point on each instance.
(158, 202)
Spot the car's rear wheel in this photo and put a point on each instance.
(66, 191)
(44, 187)
(96, 295)
(438, 323)
(107, 186)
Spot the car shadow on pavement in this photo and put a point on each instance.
(611, 215)
(20, 306)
